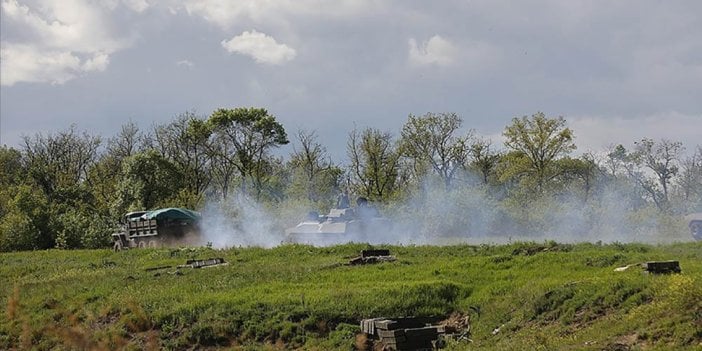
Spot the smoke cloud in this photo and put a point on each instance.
(467, 213)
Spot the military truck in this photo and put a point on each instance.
(362, 223)
(695, 225)
(157, 228)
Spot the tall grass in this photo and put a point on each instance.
(536, 295)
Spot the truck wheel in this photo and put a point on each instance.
(153, 244)
(117, 246)
(141, 245)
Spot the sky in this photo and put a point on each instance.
(618, 71)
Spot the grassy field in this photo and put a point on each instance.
(540, 296)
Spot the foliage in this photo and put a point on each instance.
(313, 175)
(537, 142)
(244, 136)
(375, 162)
(148, 180)
(184, 142)
(67, 189)
(430, 141)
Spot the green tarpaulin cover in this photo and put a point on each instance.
(172, 213)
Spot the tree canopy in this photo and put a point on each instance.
(68, 188)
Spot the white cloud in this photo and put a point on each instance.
(23, 63)
(137, 5)
(225, 13)
(261, 47)
(436, 51)
(60, 40)
(98, 62)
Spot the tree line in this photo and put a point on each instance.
(68, 188)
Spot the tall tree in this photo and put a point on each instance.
(375, 163)
(244, 137)
(104, 176)
(313, 171)
(148, 180)
(128, 141)
(60, 161)
(539, 141)
(58, 165)
(484, 159)
(662, 159)
(690, 181)
(184, 142)
(430, 141)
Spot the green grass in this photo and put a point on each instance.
(541, 296)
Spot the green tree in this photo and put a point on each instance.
(58, 165)
(104, 176)
(24, 224)
(60, 161)
(313, 173)
(430, 141)
(579, 172)
(538, 141)
(184, 142)
(11, 167)
(243, 138)
(484, 159)
(148, 180)
(375, 163)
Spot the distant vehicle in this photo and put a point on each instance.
(342, 224)
(157, 228)
(695, 225)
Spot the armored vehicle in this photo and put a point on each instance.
(342, 224)
(695, 225)
(162, 227)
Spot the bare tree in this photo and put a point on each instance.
(690, 180)
(312, 167)
(662, 160)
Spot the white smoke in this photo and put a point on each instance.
(239, 221)
(476, 214)
(466, 213)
